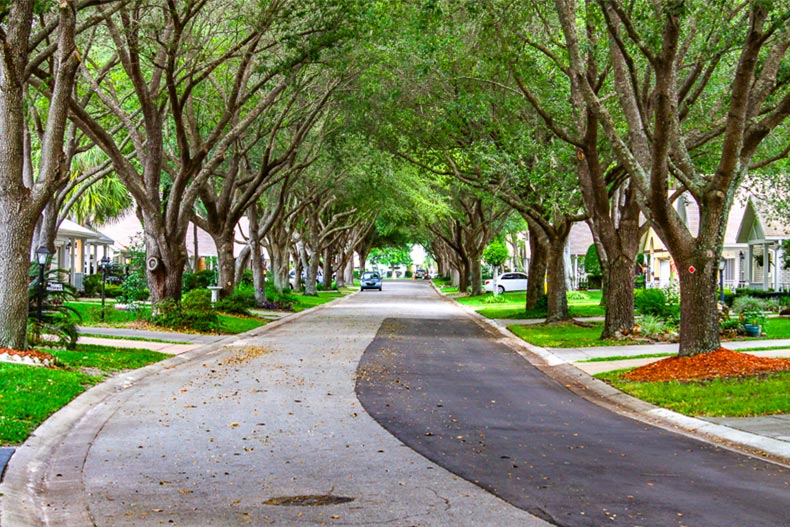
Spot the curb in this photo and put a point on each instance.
(602, 394)
(42, 484)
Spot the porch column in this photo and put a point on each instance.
(766, 266)
(72, 259)
(749, 266)
(777, 265)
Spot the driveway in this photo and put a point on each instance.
(263, 430)
(447, 388)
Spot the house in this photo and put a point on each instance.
(79, 250)
(763, 236)
(661, 267)
(200, 245)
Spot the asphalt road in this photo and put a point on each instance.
(449, 390)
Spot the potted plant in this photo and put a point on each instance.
(752, 320)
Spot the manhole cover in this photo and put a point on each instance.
(307, 501)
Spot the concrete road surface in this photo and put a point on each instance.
(264, 431)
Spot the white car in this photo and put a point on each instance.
(508, 282)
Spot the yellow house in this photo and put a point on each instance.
(661, 267)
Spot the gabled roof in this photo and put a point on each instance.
(757, 224)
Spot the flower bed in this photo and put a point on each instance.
(32, 357)
(722, 363)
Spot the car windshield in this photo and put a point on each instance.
(370, 276)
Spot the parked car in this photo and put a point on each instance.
(420, 274)
(508, 282)
(370, 280)
(292, 276)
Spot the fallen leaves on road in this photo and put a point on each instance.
(722, 363)
(245, 353)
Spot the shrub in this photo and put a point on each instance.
(494, 299)
(650, 302)
(193, 312)
(742, 304)
(240, 302)
(592, 266)
(91, 285)
(729, 324)
(408, 274)
(58, 322)
(246, 277)
(578, 295)
(652, 326)
(114, 291)
(773, 305)
(199, 280)
(277, 306)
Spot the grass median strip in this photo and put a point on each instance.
(725, 397)
(570, 335)
(30, 394)
(565, 335)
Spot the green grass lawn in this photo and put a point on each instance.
(29, 394)
(762, 395)
(572, 336)
(564, 335)
(306, 302)
(513, 306)
(90, 313)
(775, 328)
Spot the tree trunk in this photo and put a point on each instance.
(477, 275)
(242, 263)
(699, 316)
(557, 292)
(363, 259)
(16, 234)
(538, 246)
(226, 263)
(298, 268)
(463, 277)
(280, 268)
(310, 288)
(256, 258)
(620, 300)
(165, 280)
(327, 270)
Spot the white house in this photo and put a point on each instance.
(762, 259)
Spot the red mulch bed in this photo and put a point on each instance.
(29, 353)
(713, 365)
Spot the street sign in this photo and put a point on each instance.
(692, 269)
(55, 286)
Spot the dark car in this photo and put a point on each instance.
(421, 274)
(370, 280)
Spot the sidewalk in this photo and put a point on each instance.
(115, 337)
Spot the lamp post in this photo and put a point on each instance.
(722, 265)
(104, 263)
(42, 256)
